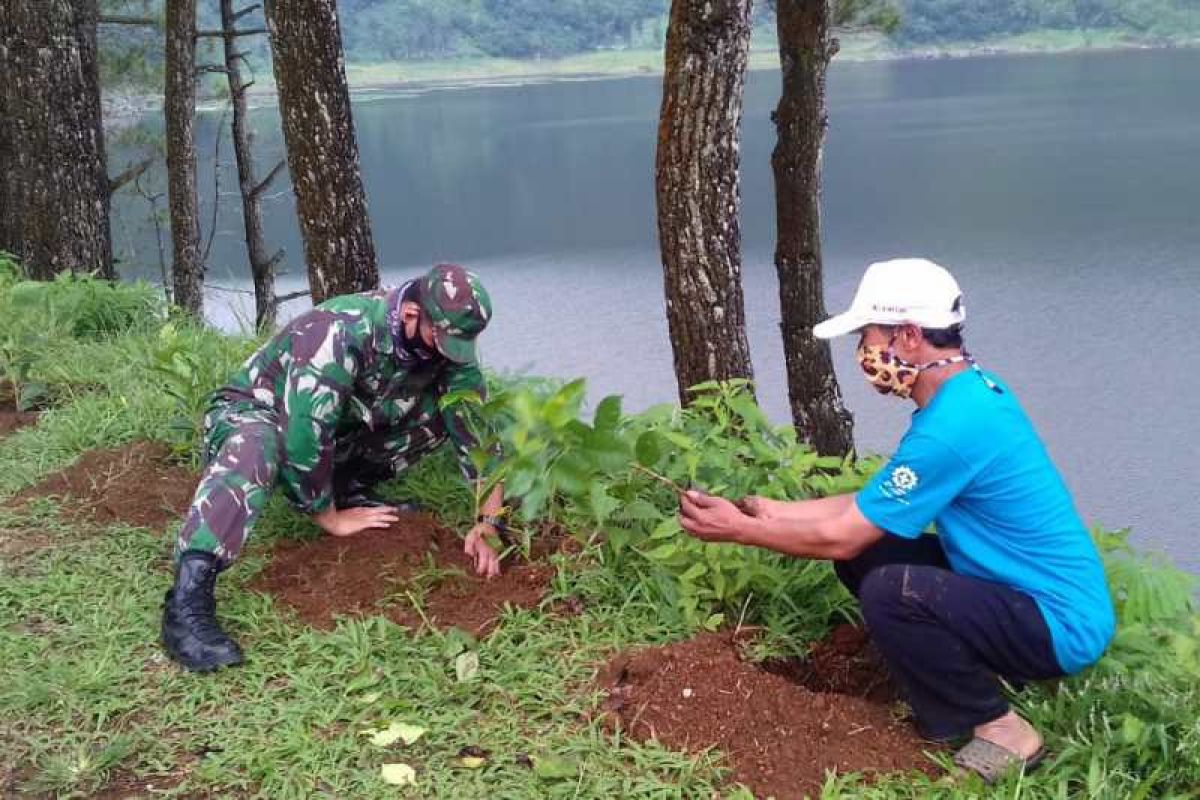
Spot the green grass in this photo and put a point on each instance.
(86, 695)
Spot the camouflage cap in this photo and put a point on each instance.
(459, 308)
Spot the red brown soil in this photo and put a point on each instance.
(137, 484)
(374, 572)
(844, 662)
(126, 786)
(10, 418)
(781, 737)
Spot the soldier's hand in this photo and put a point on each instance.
(487, 562)
(349, 521)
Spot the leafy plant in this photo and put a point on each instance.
(616, 481)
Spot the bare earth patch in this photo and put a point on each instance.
(10, 418)
(137, 484)
(781, 737)
(384, 571)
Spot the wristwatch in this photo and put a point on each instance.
(495, 520)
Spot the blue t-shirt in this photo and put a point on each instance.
(972, 464)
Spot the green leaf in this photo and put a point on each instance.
(714, 622)
(648, 448)
(667, 529)
(554, 768)
(663, 551)
(571, 474)
(640, 510)
(1131, 729)
(608, 413)
(563, 406)
(603, 504)
(680, 440)
(607, 451)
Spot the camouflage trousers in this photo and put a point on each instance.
(242, 458)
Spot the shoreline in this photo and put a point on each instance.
(123, 109)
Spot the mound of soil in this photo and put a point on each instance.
(390, 572)
(845, 662)
(137, 484)
(781, 737)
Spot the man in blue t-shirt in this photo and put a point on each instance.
(965, 550)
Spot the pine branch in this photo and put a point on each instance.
(131, 173)
(248, 9)
(117, 19)
(257, 191)
(219, 34)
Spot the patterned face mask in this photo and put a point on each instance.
(890, 374)
(415, 349)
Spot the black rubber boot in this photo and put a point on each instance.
(190, 632)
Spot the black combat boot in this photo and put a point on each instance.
(190, 632)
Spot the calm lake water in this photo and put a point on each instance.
(1061, 190)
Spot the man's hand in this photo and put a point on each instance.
(713, 519)
(761, 507)
(487, 562)
(350, 521)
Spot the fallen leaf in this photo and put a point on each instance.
(466, 666)
(398, 774)
(472, 762)
(397, 731)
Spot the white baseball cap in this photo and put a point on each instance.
(912, 291)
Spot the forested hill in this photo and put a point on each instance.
(398, 30)
(401, 29)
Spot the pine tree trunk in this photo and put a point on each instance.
(805, 48)
(179, 109)
(262, 263)
(314, 101)
(54, 193)
(698, 190)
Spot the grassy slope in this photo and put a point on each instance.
(85, 694)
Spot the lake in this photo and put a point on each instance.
(1060, 190)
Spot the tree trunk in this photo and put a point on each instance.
(179, 109)
(805, 48)
(262, 263)
(314, 101)
(54, 193)
(698, 190)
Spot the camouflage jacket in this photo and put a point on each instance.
(337, 371)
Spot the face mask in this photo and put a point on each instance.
(415, 347)
(890, 374)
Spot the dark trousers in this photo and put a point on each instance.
(946, 637)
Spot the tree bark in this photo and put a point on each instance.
(54, 198)
(179, 109)
(805, 49)
(262, 263)
(698, 191)
(314, 101)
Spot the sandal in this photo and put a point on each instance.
(992, 762)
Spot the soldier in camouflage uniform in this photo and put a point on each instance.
(344, 397)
